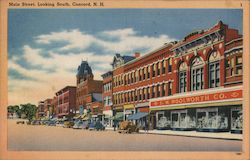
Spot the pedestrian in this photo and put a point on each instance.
(146, 126)
(114, 125)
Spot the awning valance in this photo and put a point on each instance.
(137, 116)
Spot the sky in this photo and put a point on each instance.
(45, 46)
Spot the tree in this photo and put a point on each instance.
(14, 109)
(29, 110)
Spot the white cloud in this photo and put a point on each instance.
(47, 83)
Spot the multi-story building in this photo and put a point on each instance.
(54, 106)
(195, 83)
(66, 102)
(47, 107)
(40, 110)
(107, 98)
(88, 91)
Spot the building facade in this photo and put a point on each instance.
(107, 100)
(66, 102)
(88, 91)
(193, 84)
(40, 110)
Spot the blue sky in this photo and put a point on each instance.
(45, 46)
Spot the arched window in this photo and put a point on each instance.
(197, 80)
(182, 77)
(214, 70)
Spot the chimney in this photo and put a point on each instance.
(137, 54)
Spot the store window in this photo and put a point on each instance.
(184, 119)
(214, 70)
(197, 80)
(183, 77)
(163, 66)
(236, 119)
(212, 118)
(163, 120)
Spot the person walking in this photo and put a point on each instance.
(146, 126)
(114, 125)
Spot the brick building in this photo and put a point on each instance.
(195, 83)
(40, 110)
(107, 101)
(66, 102)
(88, 91)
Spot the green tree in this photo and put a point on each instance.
(29, 110)
(14, 109)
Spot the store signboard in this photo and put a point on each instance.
(218, 96)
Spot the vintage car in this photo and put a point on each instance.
(60, 123)
(85, 125)
(51, 123)
(78, 124)
(127, 127)
(68, 124)
(20, 122)
(96, 126)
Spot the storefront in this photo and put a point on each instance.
(129, 109)
(106, 119)
(211, 110)
(236, 119)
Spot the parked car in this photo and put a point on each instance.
(91, 126)
(68, 124)
(99, 126)
(128, 127)
(35, 122)
(78, 125)
(20, 122)
(96, 126)
(51, 123)
(59, 123)
(85, 125)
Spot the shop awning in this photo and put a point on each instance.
(77, 116)
(137, 116)
(118, 116)
(85, 117)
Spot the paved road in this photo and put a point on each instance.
(45, 138)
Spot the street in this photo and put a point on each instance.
(22, 137)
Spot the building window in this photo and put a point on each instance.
(135, 93)
(132, 77)
(169, 88)
(183, 77)
(163, 66)
(154, 69)
(153, 91)
(238, 65)
(140, 75)
(148, 93)
(163, 87)
(158, 68)
(148, 72)
(144, 94)
(170, 65)
(197, 80)
(214, 70)
(158, 91)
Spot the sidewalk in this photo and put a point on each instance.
(218, 135)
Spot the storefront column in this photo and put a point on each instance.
(222, 71)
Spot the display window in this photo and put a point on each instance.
(163, 120)
(213, 118)
(236, 119)
(183, 119)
